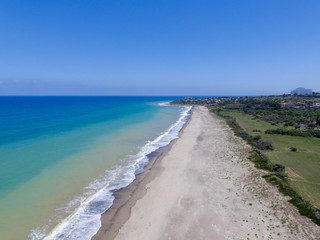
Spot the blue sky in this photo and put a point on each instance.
(163, 47)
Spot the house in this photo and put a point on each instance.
(303, 104)
(316, 105)
(288, 105)
(304, 126)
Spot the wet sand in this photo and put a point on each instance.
(204, 187)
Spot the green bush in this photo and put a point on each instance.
(294, 132)
(304, 207)
(293, 149)
(260, 160)
(278, 167)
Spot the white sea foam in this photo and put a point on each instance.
(84, 221)
(164, 104)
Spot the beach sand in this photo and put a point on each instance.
(204, 187)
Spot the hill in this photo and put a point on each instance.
(301, 91)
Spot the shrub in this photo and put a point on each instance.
(312, 126)
(278, 168)
(260, 160)
(290, 123)
(244, 135)
(263, 144)
(294, 132)
(293, 149)
(256, 138)
(315, 133)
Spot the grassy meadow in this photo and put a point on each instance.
(302, 166)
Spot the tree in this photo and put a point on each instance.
(318, 118)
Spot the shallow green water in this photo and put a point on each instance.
(46, 168)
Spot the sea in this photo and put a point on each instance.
(62, 158)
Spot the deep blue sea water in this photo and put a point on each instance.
(63, 156)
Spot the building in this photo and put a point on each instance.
(288, 105)
(316, 105)
(304, 126)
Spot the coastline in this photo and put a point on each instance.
(215, 193)
(72, 157)
(125, 198)
(84, 221)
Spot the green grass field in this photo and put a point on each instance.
(303, 166)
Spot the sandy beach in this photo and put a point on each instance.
(204, 187)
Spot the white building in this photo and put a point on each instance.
(316, 105)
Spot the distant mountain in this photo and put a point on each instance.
(301, 91)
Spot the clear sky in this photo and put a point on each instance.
(164, 47)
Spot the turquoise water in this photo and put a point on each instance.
(61, 158)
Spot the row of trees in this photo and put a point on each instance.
(295, 132)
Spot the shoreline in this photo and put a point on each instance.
(125, 198)
(214, 193)
(84, 222)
